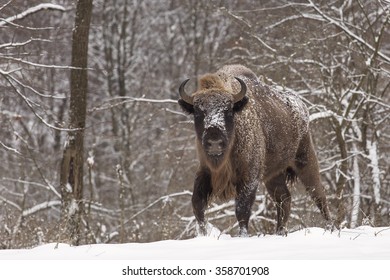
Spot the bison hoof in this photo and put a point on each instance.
(243, 232)
(282, 231)
(201, 230)
(207, 229)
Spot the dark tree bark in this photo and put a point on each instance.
(342, 180)
(71, 177)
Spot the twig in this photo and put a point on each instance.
(376, 233)
(155, 202)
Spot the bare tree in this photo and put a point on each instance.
(27, 113)
(72, 166)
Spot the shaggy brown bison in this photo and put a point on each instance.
(248, 133)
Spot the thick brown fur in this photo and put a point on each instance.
(264, 138)
(211, 81)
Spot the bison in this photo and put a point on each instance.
(248, 133)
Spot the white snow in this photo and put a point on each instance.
(215, 119)
(68, 187)
(91, 159)
(73, 207)
(364, 242)
(312, 253)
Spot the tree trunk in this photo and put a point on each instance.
(71, 177)
(343, 171)
(375, 175)
(356, 188)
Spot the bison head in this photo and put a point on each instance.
(213, 108)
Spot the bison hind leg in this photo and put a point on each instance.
(308, 173)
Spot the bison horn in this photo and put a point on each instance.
(186, 97)
(237, 97)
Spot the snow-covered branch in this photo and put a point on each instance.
(322, 115)
(149, 100)
(22, 44)
(66, 67)
(40, 207)
(7, 201)
(10, 149)
(294, 17)
(11, 77)
(118, 101)
(30, 11)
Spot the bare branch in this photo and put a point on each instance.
(30, 104)
(350, 33)
(33, 89)
(245, 23)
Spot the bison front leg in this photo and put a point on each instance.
(200, 196)
(278, 190)
(244, 200)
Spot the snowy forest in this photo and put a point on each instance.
(113, 160)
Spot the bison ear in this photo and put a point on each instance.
(186, 107)
(239, 105)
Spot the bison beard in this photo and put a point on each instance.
(248, 133)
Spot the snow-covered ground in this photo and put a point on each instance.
(285, 254)
(312, 243)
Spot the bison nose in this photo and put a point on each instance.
(214, 147)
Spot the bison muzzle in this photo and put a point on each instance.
(248, 133)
